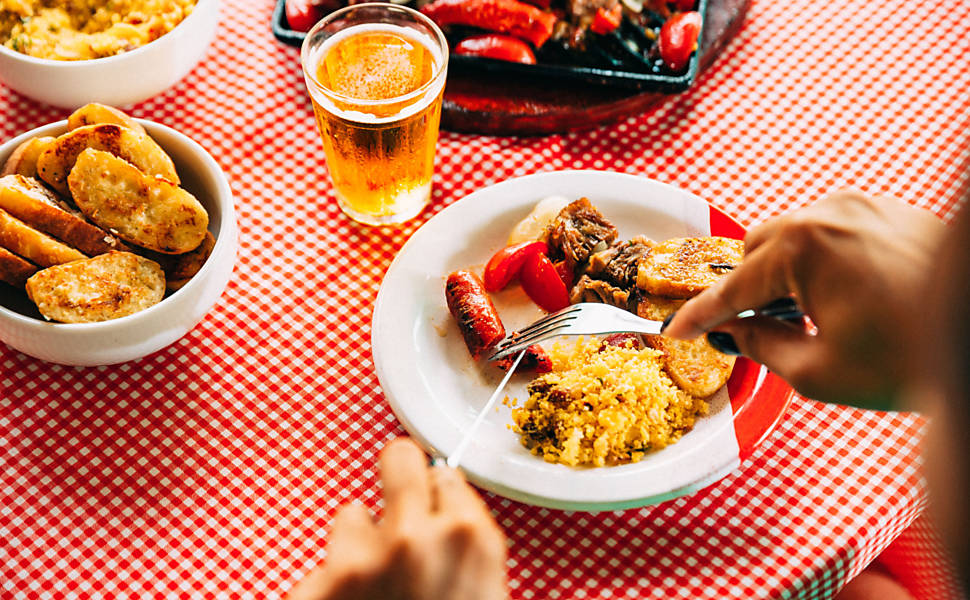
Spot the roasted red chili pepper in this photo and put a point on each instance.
(504, 16)
(304, 14)
(678, 39)
(477, 318)
(606, 21)
(498, 46)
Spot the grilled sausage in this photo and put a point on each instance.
(477, 318)
(535, 360)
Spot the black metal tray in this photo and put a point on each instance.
(616, 75)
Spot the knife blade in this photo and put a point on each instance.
(454, 459)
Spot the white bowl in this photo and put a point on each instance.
(140, 334)
(115, 80)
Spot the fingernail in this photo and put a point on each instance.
(666, 322)
(723, 343)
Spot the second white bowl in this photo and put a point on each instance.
(115, 80)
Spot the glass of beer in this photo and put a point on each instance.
(376, 75)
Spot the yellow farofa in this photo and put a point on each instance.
(603, 406)
(86, 29)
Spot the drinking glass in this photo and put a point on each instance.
(376, 74)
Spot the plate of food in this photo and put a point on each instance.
(648, 45)
(589, 423)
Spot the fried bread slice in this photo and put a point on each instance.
(93, 113)
(141, 209)
(684, 267)
(180, 268)
(13, 269)
(23, 160)
(694, 365)
(33, 203)
(25, 241)
(105, 287)
(55, 163)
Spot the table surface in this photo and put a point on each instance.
(213, 466)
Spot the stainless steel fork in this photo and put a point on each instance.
(591, 318)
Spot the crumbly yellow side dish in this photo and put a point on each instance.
(603, 405)
(86, 29)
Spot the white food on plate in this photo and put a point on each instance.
(531, 227)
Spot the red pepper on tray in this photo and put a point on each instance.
(498, 46)
(504, 16)
(606, 21)
(304, 14)
(678, 39)
(684, 4)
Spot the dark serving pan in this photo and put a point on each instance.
(612, 61)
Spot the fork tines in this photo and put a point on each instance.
(544, 327)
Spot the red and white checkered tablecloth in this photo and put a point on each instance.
(211, 468)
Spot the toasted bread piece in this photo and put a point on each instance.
(105, 287)
(30, 201)
(694, 365)
(23, 240)
(56, 162)
(23, 160)
(13, 269)
(684, 267)
(180, 268)
(138, 208)
(93, 113)
(657, 308)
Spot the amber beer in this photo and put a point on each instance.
(376, 73)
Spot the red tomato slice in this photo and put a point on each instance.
(678, 38)
(505, 265)
(565, 273)
(498, 46)
(541, 283)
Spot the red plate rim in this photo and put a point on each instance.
(759, 398)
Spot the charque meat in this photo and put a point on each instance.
(618, 264)
(596, 290)
(578, 231)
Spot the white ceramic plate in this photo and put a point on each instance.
(436, 389)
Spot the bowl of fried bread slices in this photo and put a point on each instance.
(117, 236)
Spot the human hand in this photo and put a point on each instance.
(436, 541)
(858, 267)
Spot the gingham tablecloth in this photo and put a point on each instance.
(213, 467)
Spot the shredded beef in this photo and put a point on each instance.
(595, 290)
(577, 231)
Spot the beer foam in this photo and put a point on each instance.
(367, 84)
